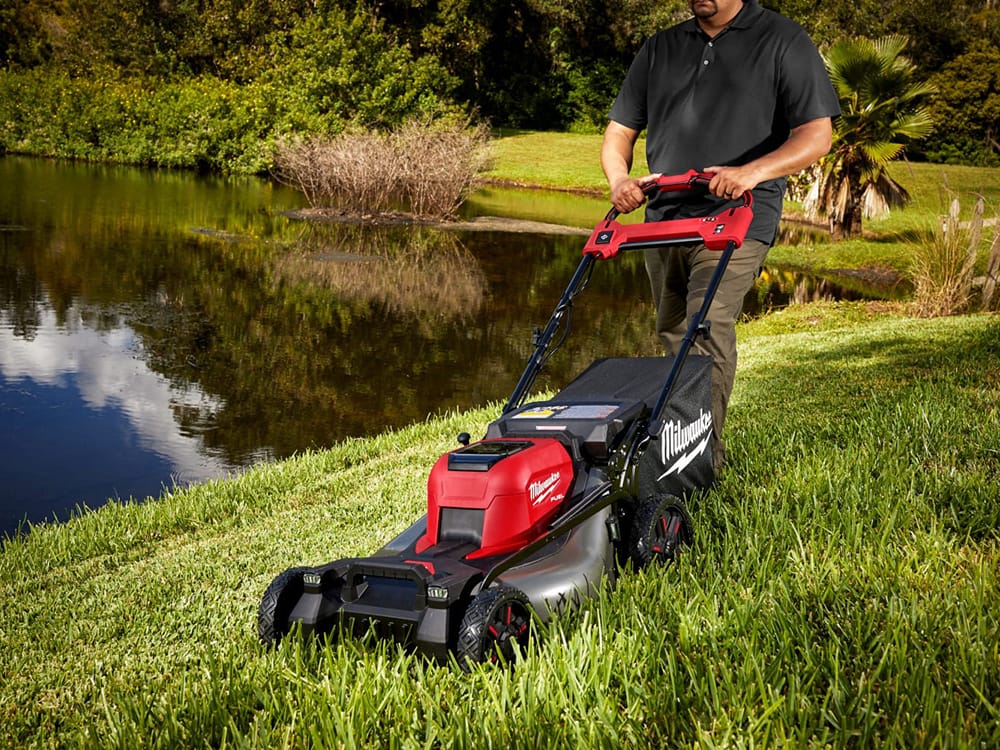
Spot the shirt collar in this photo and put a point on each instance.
(748, 14)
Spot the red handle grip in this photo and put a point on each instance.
(730, 225)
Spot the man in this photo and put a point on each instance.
(738, 91)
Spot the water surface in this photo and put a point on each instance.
(162, 328)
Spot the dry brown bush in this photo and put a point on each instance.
(424, 168)
(991, 283)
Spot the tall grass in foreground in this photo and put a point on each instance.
(842, 589)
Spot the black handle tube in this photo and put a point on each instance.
(537, 360)
(694, 327)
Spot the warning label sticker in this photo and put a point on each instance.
(568, 411)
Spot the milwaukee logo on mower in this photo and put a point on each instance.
(540, 491)
(677, 439)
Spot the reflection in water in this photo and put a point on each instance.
(160, 326)
(797, 233)
(431, 274)
(69, 380)
(780, 287)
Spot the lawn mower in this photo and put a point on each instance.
(533, 518)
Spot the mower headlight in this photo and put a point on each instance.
(437, 593)
(312, 579)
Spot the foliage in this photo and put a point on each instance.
(202, 123)
(336, 68)
(938, 30)
(428, 168)
(842, 589)
(882, 108)
(357, 74)
(944, 262)
(527, 63)
(967, 109)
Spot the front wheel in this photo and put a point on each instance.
(495, 620)
(277, 604)
(660, 526)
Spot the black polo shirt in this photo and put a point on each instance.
(724, 101)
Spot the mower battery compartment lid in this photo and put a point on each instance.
(593, 410)
(483, 456)
(590, 426)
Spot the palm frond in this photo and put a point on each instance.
(879, 153)
(881, 195)
(882, 108)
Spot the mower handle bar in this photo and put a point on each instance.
(690, 180)
(724, 232)
(731, 224)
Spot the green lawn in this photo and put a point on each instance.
(553, 160)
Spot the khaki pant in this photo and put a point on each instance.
(679, 277)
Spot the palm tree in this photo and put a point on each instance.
(882, 107)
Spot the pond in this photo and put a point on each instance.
(161, 328)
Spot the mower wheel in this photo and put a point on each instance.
(277, 604)
(496, 619)
(660, 526)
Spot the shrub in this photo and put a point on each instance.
(426, 167)
(335, 68)
(967, 109)
(204, 123)
(438, 165)
(329, 70)
(943, 264)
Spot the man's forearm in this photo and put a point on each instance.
(805, 144)
(617, 152)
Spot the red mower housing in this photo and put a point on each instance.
(497, 494)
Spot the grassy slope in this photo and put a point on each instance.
(842, 587)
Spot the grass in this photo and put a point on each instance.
(842, 588)
(563, 161)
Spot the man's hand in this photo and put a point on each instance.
(616, 161)
(627, 194)
(732, 182)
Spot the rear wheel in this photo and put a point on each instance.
(661, 525)
(495, 620)
(277, 604)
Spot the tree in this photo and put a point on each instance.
(969, 103)
(882, 109)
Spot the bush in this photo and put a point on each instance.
(943, 265)
(425, 167)
(967, 110)
(329, 71)
(332, 69)
(204, 123)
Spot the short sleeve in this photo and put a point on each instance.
(629, 108)
(806, 89)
